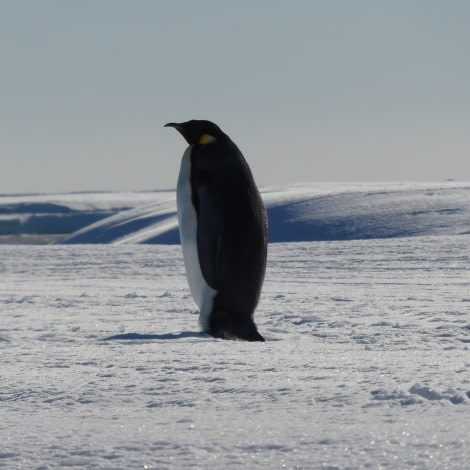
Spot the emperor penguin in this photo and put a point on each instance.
(223, 229)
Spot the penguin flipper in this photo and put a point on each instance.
(208, 236)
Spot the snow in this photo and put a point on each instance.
(56, 215)
(302, 212)
(365, 310)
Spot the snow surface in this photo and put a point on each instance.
(365, 311)
(313, 212)
(25, 216)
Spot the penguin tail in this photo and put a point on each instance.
(226, 334)
(223, 326)
(254, 336)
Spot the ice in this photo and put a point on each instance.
(301, 212)
(314, 212)
(62, 214)
(365, 363)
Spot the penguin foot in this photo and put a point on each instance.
(253, 336)
(218, 334)
(225, 325)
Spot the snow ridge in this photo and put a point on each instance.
(301, 212)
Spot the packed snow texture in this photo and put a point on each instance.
(365, 310)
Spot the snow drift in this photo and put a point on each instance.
(46, 214)
(312, 212)
(301, 212)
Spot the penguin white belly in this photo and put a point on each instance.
(187, 220)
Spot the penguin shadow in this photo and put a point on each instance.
(167, 336)
(155, 337)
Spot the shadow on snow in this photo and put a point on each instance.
(147, 337)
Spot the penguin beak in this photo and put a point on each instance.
(181, 129)
(175, 125)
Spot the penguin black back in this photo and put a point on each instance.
(230, 231)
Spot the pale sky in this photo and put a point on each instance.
(327, 91)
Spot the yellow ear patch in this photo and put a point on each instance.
(206, 138)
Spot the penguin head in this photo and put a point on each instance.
(197, 131)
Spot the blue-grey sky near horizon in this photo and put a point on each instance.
(309, 90)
